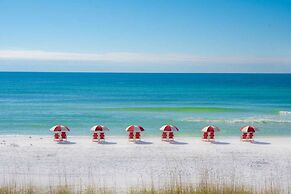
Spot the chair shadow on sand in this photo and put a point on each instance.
(260, 142)
(107, 143)
(220, 143)
(66, 142)
(178, 142)
(143, 142)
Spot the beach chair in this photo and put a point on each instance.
(102, 137)
(131, 136)
(57, 137)
(95, 136)
(171, 136)
(64, 135)
(137, 136)
(244, 137)
(164, 136)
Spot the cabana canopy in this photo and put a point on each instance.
(210, 128)
(248, 129)
(169, 128)
(134, 128)
(99, 128)
(59, 128)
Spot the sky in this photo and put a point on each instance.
(146, 35)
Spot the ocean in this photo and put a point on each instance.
(31, 103)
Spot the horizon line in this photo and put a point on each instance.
(137, 72)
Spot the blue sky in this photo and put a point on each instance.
(145, 35)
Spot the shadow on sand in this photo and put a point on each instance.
(177, 142)
(143, 142)
(220, 143)
(108, 143)
(260, 142)
(66, 142)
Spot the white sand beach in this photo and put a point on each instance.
(120, 164)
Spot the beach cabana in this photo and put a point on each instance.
(248, 133)
(98, 133)
(209, 133)
(134, 132)
(60, 132)
(168, 132)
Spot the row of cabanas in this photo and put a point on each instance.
(134, 132)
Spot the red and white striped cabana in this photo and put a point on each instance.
(208, 132)
(248, 133)
(168, 132)
(134, 132)
(60, 132)
(98, 132)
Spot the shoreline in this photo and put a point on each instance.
(149, 136)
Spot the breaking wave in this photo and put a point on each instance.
(284, 113)
(248, 120)
(175, 109)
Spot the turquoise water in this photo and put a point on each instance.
(30, 103)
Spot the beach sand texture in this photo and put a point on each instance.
(120, 164)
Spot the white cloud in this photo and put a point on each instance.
(140, 58)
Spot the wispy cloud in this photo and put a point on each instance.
(140, 58)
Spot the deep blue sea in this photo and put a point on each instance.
(31, 103)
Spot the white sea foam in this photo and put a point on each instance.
(247, 120)
(284, 113)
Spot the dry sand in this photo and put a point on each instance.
(38, 160)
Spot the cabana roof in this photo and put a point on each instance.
(169, 128)
(99, 128)
(210, 128)
(248, 129)
(59, 128)
(134, 128)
